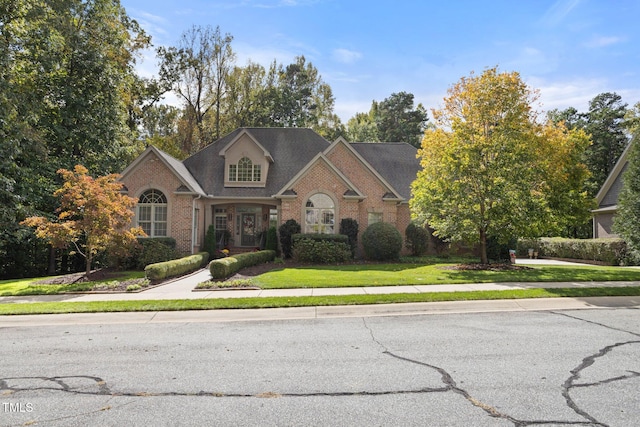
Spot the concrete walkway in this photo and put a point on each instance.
(183, 288)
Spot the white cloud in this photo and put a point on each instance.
(564, 94)
(346, 56)
(559, 11)
(603, 41)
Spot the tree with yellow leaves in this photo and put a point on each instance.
(490, 169)
(93, 215)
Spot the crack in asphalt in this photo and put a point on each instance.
(98, 386)
(569, 384)
(594, 323)
(451, 385)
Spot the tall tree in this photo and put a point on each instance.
(571, 118)
(246, 103)
(487, 164)
(605, 125)
(395, 119)
(197, 70)
(627, 220)
(398, 121)
(66, 68)
(362, 127)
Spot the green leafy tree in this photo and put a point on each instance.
(197, 70)
(605, 125)
(627, 220)
(488, 164)
(395, 119)
(571, 118)
(93, 215)
(66, 67)
(398, 120)
(362, 127)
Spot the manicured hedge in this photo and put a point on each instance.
(321, 248)
(176, 267)
(611, 251)
(381, 242)
(225, 267)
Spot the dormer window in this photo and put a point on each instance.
(245, 171)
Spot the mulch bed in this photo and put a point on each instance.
(486, 267)
(104, 276)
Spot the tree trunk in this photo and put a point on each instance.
(88, 269)
(483, 246)
(51, 270)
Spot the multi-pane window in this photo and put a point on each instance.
(220, 225)
(373, 217)
(319, 214)
(245, 171)
(152, 213)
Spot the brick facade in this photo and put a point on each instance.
(152, 173)
(339, 173)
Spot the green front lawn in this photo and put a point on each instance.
(432, 274)
(31, 287)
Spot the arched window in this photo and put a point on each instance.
(245, 171)
(319, 214)
(152, 213)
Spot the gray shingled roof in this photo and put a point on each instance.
(181, 170)
(396, 162)
(291, 149)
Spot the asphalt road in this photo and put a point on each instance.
(549, 368)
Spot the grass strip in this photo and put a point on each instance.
(432, 274)
(280, 302)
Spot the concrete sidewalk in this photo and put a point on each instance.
(183, 288)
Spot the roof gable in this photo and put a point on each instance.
(352, 191)
(239, 138)
(608, 194)
(392, 193)
(189, 183)
(290, 148)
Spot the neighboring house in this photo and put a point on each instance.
(256, 177)
(607, 198)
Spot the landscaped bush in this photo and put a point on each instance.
(349, 227)
(272, 239)
(417, 239)
(210, 244)
(288, 229)
(612, 251)
(225, 267)
(321, 248)
(176, 267)
(381, 242)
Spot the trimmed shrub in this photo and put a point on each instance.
(612, 251)
(349, 227)
(288, 229)
(272, 239)
(382, 242)
(176, 267)
(417, 239)
(321, 248)
(226, 267)
(210, 244)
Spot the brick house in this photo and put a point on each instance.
(607, 198)
(256, 177)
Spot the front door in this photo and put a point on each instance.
(248, 229)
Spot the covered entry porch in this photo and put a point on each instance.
(240, 227)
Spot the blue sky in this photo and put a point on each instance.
(570, 50)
